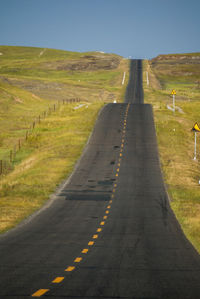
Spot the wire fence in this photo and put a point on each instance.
(7, 163)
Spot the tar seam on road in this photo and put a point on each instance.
(84, 251)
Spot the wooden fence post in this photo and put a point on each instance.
(11, 156)
(14, 152)
(1, 166)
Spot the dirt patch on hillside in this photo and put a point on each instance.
(86, 63)
(61, 91)
(180, 58)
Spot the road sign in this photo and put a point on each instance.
(196, 127)
(173, 91)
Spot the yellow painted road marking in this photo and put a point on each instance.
(112, 196)
(118, 164)
(108, 207)
(110, 201)
(104, 217)
(115, 185)
(78, 259)
(114, 190)
(95, 236)
(58, 279)
(40, 292)
(123, 140)
(69, 269)
(85, 250)
(116, 174)
(91, 243)
(117, 169)
(122, 145)
(99, 230)
(102, 222)
(107, 212)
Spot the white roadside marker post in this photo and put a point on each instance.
(123, 78)
(147, 78)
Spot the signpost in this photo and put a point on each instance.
(173, 94)
(196, 129)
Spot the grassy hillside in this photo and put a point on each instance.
(42, 131)
(176, 140)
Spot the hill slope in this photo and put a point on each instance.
(176, 140)
(42, 131)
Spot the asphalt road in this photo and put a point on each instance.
(134, 91)
(110, 232)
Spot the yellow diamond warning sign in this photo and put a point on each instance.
(173, 91)
(196, 128)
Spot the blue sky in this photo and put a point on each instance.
(136, 28)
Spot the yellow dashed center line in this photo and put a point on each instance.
(58, 279)
(91, 243)
(85, 250)
(78, 260)
(70, 268)
(104, 217)
(102, 222)
(99, 230)
(40, 292)
(95, 237)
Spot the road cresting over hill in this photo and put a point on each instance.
(102, 223)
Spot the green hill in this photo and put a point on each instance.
(41, 131)
(176, 140)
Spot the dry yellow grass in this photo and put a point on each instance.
(176, 147)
